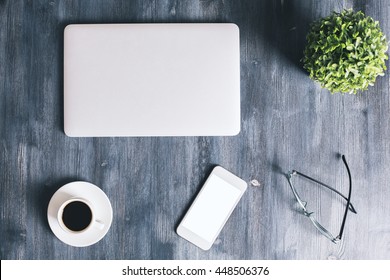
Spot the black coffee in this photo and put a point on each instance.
(77, 216)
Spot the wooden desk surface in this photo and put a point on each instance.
(288, 122)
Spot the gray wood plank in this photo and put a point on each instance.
(288, 122)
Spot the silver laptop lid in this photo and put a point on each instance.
(151, 80)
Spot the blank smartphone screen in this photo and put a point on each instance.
(211, 208)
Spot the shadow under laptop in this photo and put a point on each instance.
(283, 26)
(60, 75)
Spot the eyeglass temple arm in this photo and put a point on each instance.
(348, 200)
(351, 208)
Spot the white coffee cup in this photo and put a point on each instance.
(77, 215)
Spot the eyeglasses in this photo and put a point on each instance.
(310, 215)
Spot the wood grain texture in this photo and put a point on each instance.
(288, 122)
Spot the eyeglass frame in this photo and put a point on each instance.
(303, 203)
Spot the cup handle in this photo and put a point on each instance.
(99, 224)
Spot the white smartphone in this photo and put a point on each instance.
(212, 208)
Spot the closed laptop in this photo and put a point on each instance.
(151, 80)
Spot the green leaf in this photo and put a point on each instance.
(345, 52)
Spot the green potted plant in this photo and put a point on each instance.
(345, 52)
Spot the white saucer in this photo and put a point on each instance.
(102, 210)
